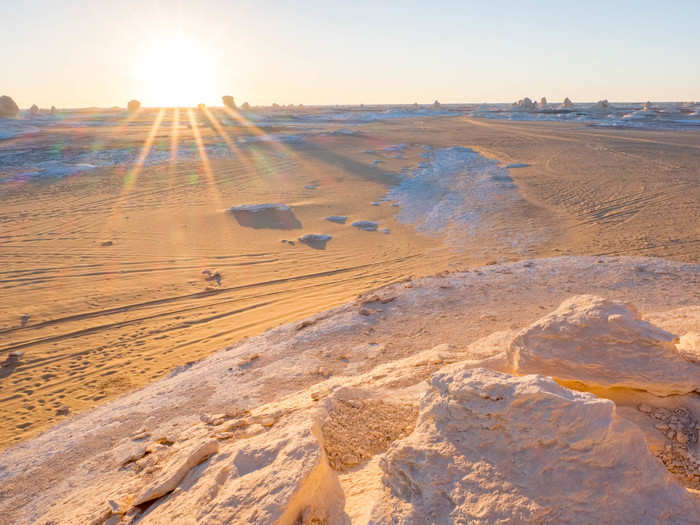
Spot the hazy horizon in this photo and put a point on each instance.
(168, 54)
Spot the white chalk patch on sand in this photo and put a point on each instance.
(454, 193)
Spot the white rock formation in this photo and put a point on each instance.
(493, 448)
(567, 103)
(228, 101)
(605, 343)
(369, 226)
(315, 240)
(339, 219)
(525, 104)
(602, 106)
(543, 103)
(133, 105)
(34, 110)
(8, 108)
(245, 106)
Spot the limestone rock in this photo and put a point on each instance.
(133, 105)
(493, 448)
(245, 106)
(600, 342)
(315, 240)
(34, 110)
(228, 101)
(602, 106)
(525, 104)
(567, 103)
(8, 108)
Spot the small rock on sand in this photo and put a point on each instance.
(369, 226)
(339, 219)
(317, 241)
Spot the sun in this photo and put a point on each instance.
(176, 70)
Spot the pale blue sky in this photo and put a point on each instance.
(82, 53)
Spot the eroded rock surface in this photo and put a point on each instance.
(602, 342)
(494, 448)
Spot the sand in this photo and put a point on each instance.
(102, 277)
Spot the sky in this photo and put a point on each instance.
(81, 53)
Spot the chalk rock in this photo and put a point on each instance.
(525, 104)
(315, 240)
(369, 226)
(228, 101)
(567, 103)
(689, 346)
(8, 108)
(436, 104)
(602, 106)
(339, 219)
(133, 105)
(543, 103)
(493, 448)
(275, 216)
(52, 111)
(277, 478)
(605, 343)
(34, 110)
(245, 106)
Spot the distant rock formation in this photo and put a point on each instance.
(228, 101)
(493, 448)
(53, 110)
(34, 110)
(620, 350)
(133, 106)
(245, 106)
(8, 108)
(543, 103)
(602, 106)
(275, 105)
(201, 106)
(525, 104)
(648, 106)
(567, 103)
(436, 104)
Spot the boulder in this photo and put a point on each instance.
(228, 101)
(493, 448)
(8, 108)
(272, 216)
(600, 342)
(315, 240)
(133, 105)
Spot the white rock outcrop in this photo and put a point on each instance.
(8, 107)
(602, 106)
(133, 105)
(600, 342)
(567, 103)
(525, 104)
(493, 448)
(228, 101)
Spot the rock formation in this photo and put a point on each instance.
(602, 106)
(228, 101)
(493, 448)
(567, 103)
(201, 106)
(543, 103)
(133, 106)
(525, 104)
(603, 343)
(369, 226)
(53, 110)
(34, 110)
(436, 104)
(315, 240)
(275, 216)
(245, 106)
(8, 108)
